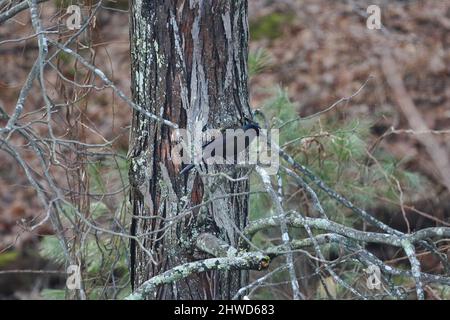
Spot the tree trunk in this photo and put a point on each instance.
(189, 65)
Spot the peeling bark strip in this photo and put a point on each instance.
(189, 65)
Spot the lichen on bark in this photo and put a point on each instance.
(189, 66)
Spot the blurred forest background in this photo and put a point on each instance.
(304, 56)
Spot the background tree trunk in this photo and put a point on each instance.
(189, 65)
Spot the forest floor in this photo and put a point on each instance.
(318, 50)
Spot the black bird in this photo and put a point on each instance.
(250, 129)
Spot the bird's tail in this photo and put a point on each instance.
(187, 169)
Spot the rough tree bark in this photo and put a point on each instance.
(189, 65)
